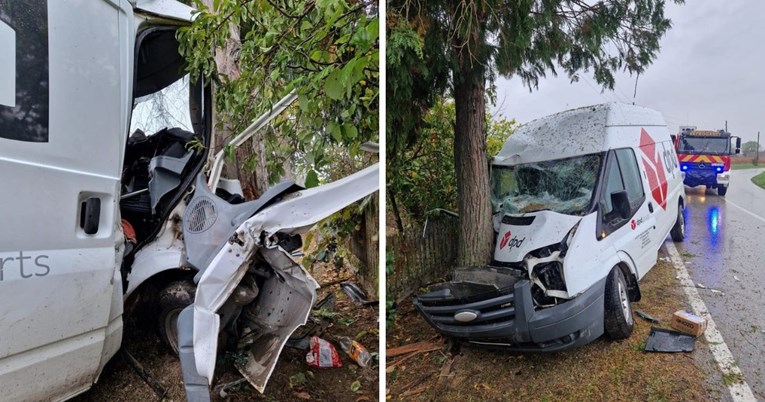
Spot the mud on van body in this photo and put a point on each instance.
(583, 200)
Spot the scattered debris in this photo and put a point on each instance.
(717, 292)
(355, 350)
(322, 354)
(299, 343)
(222, 389)
(642, 314)
(688, 322)
(413, 392)
(356, 294)
(143, 373)
(303, 395)
(667, 341)
(333, 282)
(419, 347)
(700, 286)
(665, 259)
(735, 277)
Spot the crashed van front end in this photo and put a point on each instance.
(251, 293)
(501, 312)
(540, 292)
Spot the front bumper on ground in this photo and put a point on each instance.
(507, 318)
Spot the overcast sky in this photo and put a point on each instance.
(711, 68)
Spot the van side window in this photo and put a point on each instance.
(631, 176)
(613, 182)
(622, 174)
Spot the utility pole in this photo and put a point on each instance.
(726, 126)
(757, 155)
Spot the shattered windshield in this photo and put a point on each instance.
(704, 145)
(564, 185)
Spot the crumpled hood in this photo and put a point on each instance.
(519, 234)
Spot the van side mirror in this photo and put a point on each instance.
(621, 203)
(738, 151)
(738, 143)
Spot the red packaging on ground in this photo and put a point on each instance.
(322, 354)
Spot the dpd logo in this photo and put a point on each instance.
(507, 241)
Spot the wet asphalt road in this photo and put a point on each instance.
(725, 250)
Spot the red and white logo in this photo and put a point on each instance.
(654, 167)
(510, 243)
(504, 240)
(633, 224)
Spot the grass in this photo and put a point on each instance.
(732, 378)
(759, 180)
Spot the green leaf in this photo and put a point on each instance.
(335, 131)
(350, 131)
(333, 86)
(311, 179)
(356, 385)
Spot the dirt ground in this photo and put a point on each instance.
(603, 370)
(292, 379)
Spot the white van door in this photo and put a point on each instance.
(60, 158)
(632, 236)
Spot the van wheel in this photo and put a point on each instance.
(678, 231)
(721, 190)
(618, 321)
(175, 297)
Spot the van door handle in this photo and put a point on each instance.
(650, 207)
(90, 215)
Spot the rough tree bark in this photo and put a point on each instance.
(254, 181)
(471, 167)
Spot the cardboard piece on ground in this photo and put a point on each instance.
(688, 323)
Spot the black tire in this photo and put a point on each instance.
(721, 190)
(618, 320)
(175, 297)
(678, 231)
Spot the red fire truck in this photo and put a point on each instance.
(705, 157)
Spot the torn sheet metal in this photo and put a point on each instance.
(308, 207)
(302, 210)
(285, 304)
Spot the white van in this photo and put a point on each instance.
(103, 143)
(583, 200)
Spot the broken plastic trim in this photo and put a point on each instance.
(545, 268)
(227, 268)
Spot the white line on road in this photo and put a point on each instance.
(739, 391)
(727, 201)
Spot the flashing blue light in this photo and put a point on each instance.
(685, 167)
(713, 220)
(719, 169)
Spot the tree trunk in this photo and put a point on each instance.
(471, 166)
(254, 181)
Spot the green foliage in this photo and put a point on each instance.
(390, 304)
(749, 147)
(425, 178)
(326, 50)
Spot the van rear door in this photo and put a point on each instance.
(60, 158)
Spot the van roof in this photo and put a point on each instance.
(165, 8)
(576, 132)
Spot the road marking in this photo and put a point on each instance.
(727, 201)
(725, 361)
